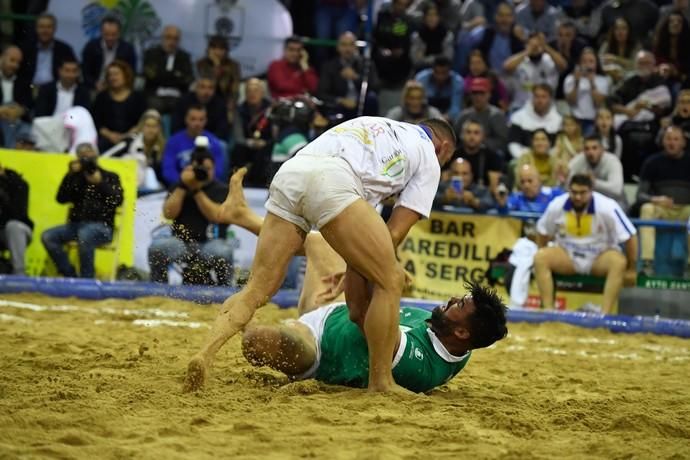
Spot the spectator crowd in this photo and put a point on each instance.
(538, 91)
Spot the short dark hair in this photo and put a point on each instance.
(592, 138)
(110, 19)
(441, 128)
(543, 87)
(581, 179)
(218, 41)
(49, 16)
(199, 107)
(293, 39)
(69, 60)
(441, 61)
(488, 322)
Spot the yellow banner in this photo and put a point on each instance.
(44, 172)
(447, 250)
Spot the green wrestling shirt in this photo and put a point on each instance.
(420, 363)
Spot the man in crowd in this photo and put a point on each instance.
(204, 94)
(490, 117)
(15, 97)
(337, 352)
(586, 228)
(334, 183)
(168, 71)
(485, 163)
(340, 80)
(179, 147)
(444, 87)
(99, 53)
(539, 113)
(531, 196)
(603, 167)
(54, 98)
(94, 194)
(459, 189)
(44, 56)
(537, 16)
(639, 103)
(292, 76)
(539, 63)
(192, 205)
(16, 228)
(497, 43)
(664, 190)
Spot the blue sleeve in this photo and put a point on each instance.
(219, 158)
(169, 162)
(456, 98)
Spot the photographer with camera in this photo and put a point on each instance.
(193, 204)
(94, 194)
(586, 89)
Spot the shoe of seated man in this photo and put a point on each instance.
(647, 269)
(590, 307)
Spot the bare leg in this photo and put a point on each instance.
(371, 253)
(278, 242)
(235, 210)
(610, 264)
(288, 348)
(322, 261)
(546, 261)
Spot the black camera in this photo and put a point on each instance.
(88, 165)
(200, 173)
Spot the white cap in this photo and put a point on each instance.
(201, 141)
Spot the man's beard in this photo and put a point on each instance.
(439, 323)
(580, 207)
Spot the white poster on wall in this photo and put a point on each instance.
(255, 28)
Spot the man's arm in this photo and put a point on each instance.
(400, 222)
(543, 240)
(172, 206)
(209, 208)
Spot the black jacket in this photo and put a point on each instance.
(47, 99)
(332, 85)
(14, 198)
(91, 203)
(180, 77)
(61, 52)
(22, 95)
(92, 59)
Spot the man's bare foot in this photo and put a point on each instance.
(196, 375)
(235, 206)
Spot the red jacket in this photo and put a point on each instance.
(285, 80)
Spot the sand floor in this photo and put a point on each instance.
(103, 381)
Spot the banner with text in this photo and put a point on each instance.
(448, 250)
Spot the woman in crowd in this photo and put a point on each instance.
(586, 89)
(117, 109)
(414, 106)
(603, 128)
(431, 40)
(672, 47)
(478, 68)
(617, 52)
(569, 142)
(145, 145)
(227, 71)
(539, 156)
